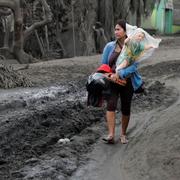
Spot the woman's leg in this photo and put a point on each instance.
(124, 124)
(126, 98)
(110, 114)
(110, 117)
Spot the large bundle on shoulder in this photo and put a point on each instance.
(148, 40)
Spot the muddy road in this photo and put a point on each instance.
(32, 120)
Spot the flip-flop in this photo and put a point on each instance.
(123, 139)
(108, 140)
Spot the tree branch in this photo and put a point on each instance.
(46, 20)
(5, 12)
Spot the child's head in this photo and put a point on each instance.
(139, 36)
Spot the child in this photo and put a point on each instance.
(133, 50)
(138, 46)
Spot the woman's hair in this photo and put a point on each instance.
(122, 23)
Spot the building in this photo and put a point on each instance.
(165, 17)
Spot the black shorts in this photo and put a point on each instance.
(124, 92)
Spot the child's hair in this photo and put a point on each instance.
(138, 33)
(141, 33)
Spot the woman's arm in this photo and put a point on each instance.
(124, 73)
(104, 57)
(105, 54)
(107, 51)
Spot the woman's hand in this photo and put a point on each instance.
(114, 77)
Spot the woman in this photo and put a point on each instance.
(109, 56)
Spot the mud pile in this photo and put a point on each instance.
(31, 128)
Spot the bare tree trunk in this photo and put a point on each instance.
(46, 33)
(138, 18)
(47, 39)
(107, 17)
(39, 42)
(14, 5)
(6, 32)
(19, 35)
(6, 22)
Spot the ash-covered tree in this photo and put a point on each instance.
(22, 32)
(7, 23)
(138, 8)
(141, 7)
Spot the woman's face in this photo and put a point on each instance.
(119, 32)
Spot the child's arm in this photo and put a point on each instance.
(124, 64)
(147, 47)
(126, 72)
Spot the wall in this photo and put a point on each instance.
(165, 17)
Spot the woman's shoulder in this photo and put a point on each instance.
(110, 45)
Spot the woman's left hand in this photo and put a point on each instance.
(114, 77)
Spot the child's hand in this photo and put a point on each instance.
(126, 40)
(152, 46)
(147, 47)
(117, 68)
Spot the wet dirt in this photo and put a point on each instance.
(33, 120)
(33, 124)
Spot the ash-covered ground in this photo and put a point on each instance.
(32, 120)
